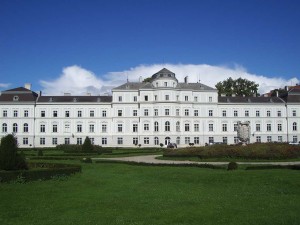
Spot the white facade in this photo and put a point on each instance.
(160, 111)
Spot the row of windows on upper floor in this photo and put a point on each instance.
(167, 112)
(146, 98)
(146, 127)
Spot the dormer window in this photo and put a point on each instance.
(74, 99)
(50, 99)
(16, 98)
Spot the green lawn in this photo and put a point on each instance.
(111, 193)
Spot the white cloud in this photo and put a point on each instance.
(4, 85)
(78, 80)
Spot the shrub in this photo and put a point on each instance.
(40, 152)
(87, 145)
(161, 145)
(232, 166)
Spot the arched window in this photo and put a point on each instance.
(294, 126)
(25, 127)
(4, 128)
(15, 128)
(178, 140)
(156, 126)
(178, 126)
(156, 141)
(167, 126)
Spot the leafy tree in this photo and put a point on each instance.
(9, 157)
(239, 87)
(87, 145)
(281, 92)
(148, 79)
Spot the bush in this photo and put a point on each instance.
(40, 152)
(232, 166)
(87, 145)
(161, 145)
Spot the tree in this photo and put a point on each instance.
(87, 145)
(148, 79)
(238, 87)
(9, 157)
(281, 92)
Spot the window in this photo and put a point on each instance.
(195, 99)
(294, 126)
(246, 113)
(177, 97)
(134, 128)
(79, 114)
(210, 139)
(269, 127)
(135, 98)
(25, 128)
(146, 112)
(120, 141)
(196, 112)
(186, 98)
(225, 140)
(210, 112)
(177, 126)
(146, 127)
(79, 128)
(104, 141)
(167, 112)
(187, 140)
(269, 138)
(235, 113)
(279, 127)
(279, 113)
(146, 141)
(92, 113)
(42, 141)
(258, 139)
(224, 127)
(25, 141)
(135, 112)
(15, 128)
(120, 98)
(155, 97)
(54, 141)
(196, 141)
(79, 141)
(177, 112)
(178, 140)
(15, 113)
(67, 113)
(196, 127)
(92, 128)
(120, 127)
(235, 126)
(67, 141)
(186, 112)
(295, 139)
(167, 97)
(42, 128)
(257, 126)
(16, 98)
(120, 112)
(236, 140)
(257, 113)
(294, 113)
(67, 128)
(4, 113)
(279, 138)
(156, 126)
(104, 113)
(42, 113)
(167, 126)
(224, 113)
(156, 141)
(4, 128)
(155, 112)
(146, 98)
(26, 113)
(135, 141)
(54, 113)
(186, 127)
(104, 128)
(210, 127)
(166, 84)
(92, 141)
(268, 113)
(210, 99)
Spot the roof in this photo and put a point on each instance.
(75, 99)
(18, 89)
(133, 86)
(240, 99)
(19, 94)
(194, 86)
(293, 99)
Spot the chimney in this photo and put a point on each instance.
(27, 86)
(276, 93)
(67, 94)
(186, 80)
(141, 79)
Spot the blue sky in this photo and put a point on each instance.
(38, 39)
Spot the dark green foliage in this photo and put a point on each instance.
(161, 145)
(87, 145)
(77, 149)
(87, 160)
(9, 157)
(40, 152)
(232, 166)
(268, 167)
(148, 79)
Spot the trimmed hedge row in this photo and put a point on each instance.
(268, 167)
(40, 171)
(78, 149)
(251, 151)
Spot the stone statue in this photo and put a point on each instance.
(243, 132)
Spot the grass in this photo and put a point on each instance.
(111, 193)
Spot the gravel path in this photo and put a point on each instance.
(151, 159)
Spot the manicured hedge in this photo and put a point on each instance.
(78, 149)
(40, 171)
(268, 167)
(251, 151)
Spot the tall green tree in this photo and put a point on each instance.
(87, 145)
(238, 87)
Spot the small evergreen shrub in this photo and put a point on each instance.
(232, 166)
(87, 145)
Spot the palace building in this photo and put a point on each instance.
(162, 110)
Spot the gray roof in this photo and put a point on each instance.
(23, 94)
(75, 99)
(194, 86)
(133, 86)
(240, 99)
(293, 99)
